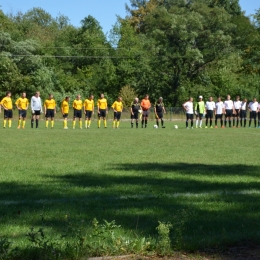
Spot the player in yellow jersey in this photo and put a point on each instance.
(22, 104)
(118, 108)
(49, 110)
(77, 106)
(102, 110)
(88, 110)
(65, 111)
(7, 105)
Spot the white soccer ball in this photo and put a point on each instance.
(175, 126)
(140, 111)
(155, 126)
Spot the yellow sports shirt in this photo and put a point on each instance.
(102, 103)
(50, 103)
(22, 103)
(118, 106)
(77, 104)
(65, 107)
(89, 104)
(7, 102)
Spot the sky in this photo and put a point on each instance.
(104, 11)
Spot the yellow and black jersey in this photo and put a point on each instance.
(22, 103)
(118, 106)
(89, 104)
(7, 102)
(102, 103)
(65, 106)
(50, 103)
(77, 104)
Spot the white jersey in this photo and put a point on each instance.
(253, 106)
(189, 106)
(36, 103)
(237, 104)
(210, 105)
(228, 104)
(219, 108)
(243, 105)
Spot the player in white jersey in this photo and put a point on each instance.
(253, 108)
(229, 106)
(258, 113)
(243, 112)
(237, 107)
(219, 111)
(188, 106)
(210, 106)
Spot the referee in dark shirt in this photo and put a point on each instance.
(159, 110)
(135, 107)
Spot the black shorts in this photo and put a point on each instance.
(160, 115)
(88, 114)
(209, 114)
(253, 115)
(102, 113)
(243, 113)
(229, 113)
(189, 116)
(36, 112)
(49, 113)
(200, 115)
(258, 114)
(8, 113)
(77, 113)
(236, 113)
(22, 113)
(145, 113)
(117, 115)
(219, 116)
(135, 115)
(65, 115)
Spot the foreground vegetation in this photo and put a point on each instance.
(64, 194)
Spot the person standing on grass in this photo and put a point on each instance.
(88, 110)
(118, 108)
(159, 110)
(22, 104)
(49, 110)
(65, 111)
(7, 105)
(236, 115)
(77, 106)
(243, 112)
(253, 108)
(199, 111)
(102, 110)
(210, 106)
(36, 107)
(188, 106)
(229, 106)
(135, 108)
(145, 104)
(219, 111)
(258, 115)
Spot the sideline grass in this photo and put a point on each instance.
(204, 181)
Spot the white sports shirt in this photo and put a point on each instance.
(237, 104)
(228, 104)
(253, 106)
(219, 108)
(210, 105)
(36, 103)
(243, 105)
(189, 106)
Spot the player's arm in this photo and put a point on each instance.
(17, 104)
(122, 108)
(184, 106)
(3, 105)
(155, 111)
(106, 107)
(164, 111)
(55, 108)
(84, 107)
(61, 108)
(27, 104)
(113, 106)
(93, 108)
(45, 108)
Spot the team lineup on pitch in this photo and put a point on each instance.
(236, 110)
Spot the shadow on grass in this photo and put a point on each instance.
(205, 208)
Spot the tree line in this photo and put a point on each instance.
(169, 48)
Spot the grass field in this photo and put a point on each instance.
(205, 182)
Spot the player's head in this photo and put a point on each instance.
(200, 98)
(146, 96)
(160, 99)
(191, 99)
(91, 97)
(245, 99)
(228, 97)
(219, 99)
(210, 98)
(8, 94)
(237, 98)
(50, 96)
(67, 98)
(78, 97)
(37, 93)
(24, 95)
(119, 99)
(102, 95)
(254, 99)
(136, 100)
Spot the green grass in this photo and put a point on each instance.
(203, 181)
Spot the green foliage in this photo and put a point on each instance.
(128, 94)
(164, 241)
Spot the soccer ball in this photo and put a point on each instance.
(140, 111)
(155, 126)
(175, 126)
